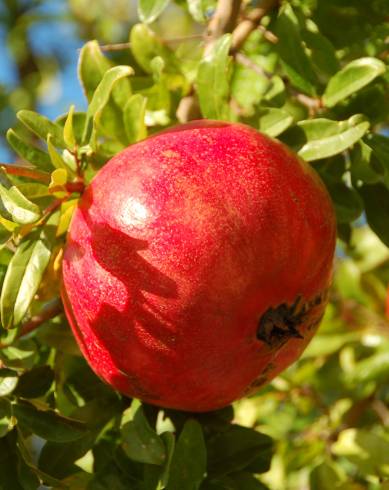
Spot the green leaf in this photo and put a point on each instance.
(188, 466)
(374, 368)
(92, 65)
(14, 472)
(57, 459)
(380, 146)
(197, 10)
(146, 46)
(149, 10)
(23, 277)
(47, 424)
(326, 138)
(354, 76)
(169, 441)
(14, 205)
(140, 442)
(236, 448)
(348, 203)
(363, 166)
(102, 94)
(324, 477)
(35, 382)
(274, 121)
(368, 450)
(28, 152)
(376, 199)
(322, 52)
(248, 87)
(213, 75)
(295, 60)
(41, 126)
(8, 381)
(68, 130)
(134, 118)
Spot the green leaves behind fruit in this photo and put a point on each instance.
(213, 80)
(325, 138)
(354, 76)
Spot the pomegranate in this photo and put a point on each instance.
(197, 265)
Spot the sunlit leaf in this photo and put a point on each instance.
(42, 127)
(326, 138)
(92, 65)
(28, 152)
(354, 76)
(134, 118)
(101, 95)
(23, 277)
(14, 206)
(68, 130)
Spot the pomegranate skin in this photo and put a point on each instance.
(197, 265)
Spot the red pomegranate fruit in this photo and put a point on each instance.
(197, 265)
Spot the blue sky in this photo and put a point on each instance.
(48, 38)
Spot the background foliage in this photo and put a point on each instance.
(312, 73)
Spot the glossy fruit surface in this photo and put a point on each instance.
(197, 265)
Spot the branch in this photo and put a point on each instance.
(253, 18)
(48, 312)
(21, 171)
(248, 63)
(224, 19)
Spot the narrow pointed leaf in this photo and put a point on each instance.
(23, 277)
(352, 78)
(68, 130)
(102, 93)
(42, 126)
(189, 463)
(28, 152)
(326, 138)
(149, 10)
(134, 118)
(213, 80)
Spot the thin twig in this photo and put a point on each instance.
(48, 312)
(224, 19)
(173, 40)
(21, 171)
(251, 22)
(248, 63)
(268, 35)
